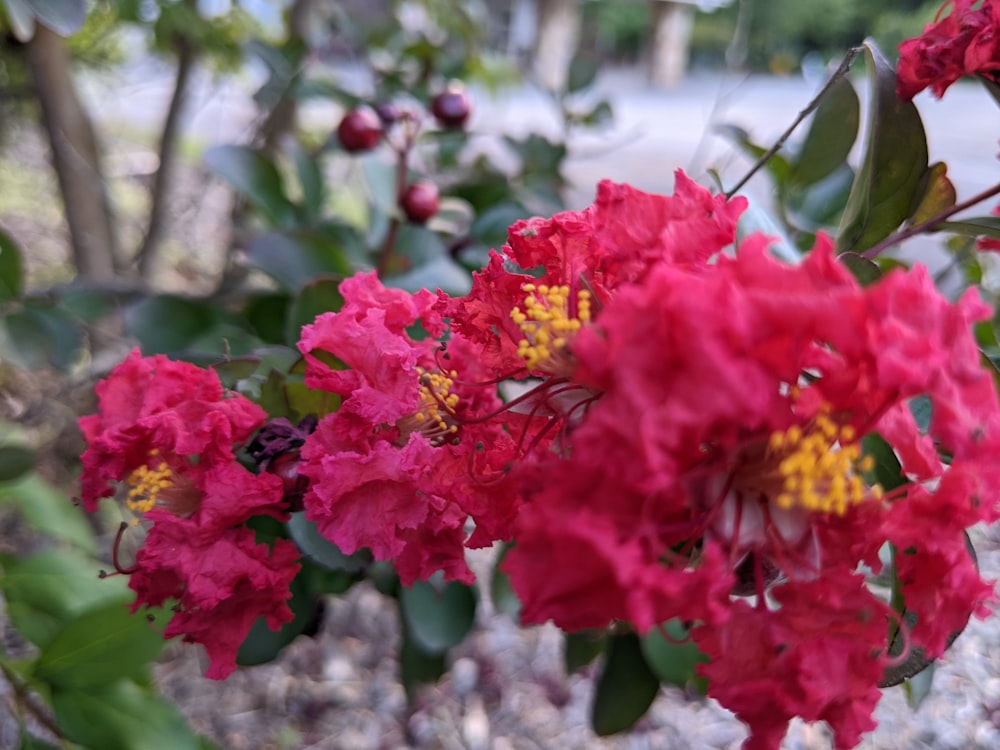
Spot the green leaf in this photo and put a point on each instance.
(582, 73)
(438, 614)
(831, 135)
(418, 666)
(231, 370)
(321, 550)
(15, 462)
(315, 298)
(98, 647)
(580, 649)
(777, 166)
(37, 335)
(48, 589)
(123, 716)
(978, 226)
(673, 659)
(756, 220)
(267, 314)
(864, 270)
(626, 688)
(490, 227)
(936, 193)
(894, 162)
(256, 178)
(11, 268)
(887, 472)
(30, 742)
(168, 324)
(380, 178)
(311, 181)
(296, 258)
(49, 511)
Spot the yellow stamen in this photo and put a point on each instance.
(549, 323)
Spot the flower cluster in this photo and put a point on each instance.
(163, 439)
(965, 42)
(683, 429)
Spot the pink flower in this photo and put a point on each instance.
(165, 432)
(725, 458)
(988, 243)
(965, 42)
(392, 468)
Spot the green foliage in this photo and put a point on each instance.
(625, 689)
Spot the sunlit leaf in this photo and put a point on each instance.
(936, 194)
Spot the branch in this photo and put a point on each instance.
(928, 226)
(839, 73)
(24, 698)
(146, 255)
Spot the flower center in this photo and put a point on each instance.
(819, 469)
(159, 486)
(435, 416)
(549, 320)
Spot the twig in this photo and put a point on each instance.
(186, 54)
(839, 73)
(928, 226)
(24, 698)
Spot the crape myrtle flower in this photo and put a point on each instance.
(163, 437)
(964, 42)
(988, 243)
(721, 478)
(555, 275)
(398, 467)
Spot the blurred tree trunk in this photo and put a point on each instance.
(75, 157)
(559, 24)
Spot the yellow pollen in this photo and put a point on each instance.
(548, 322)
(146, 484)
(437, 406)
(820, 468)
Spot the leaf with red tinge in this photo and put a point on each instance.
(937, 194)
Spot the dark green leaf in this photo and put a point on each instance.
(600, 114)
(315, 298)
(831, 135)
(11, 268)
(15, 462)
(626, 688)
(98, 647)
(673, 659)
(30, 742)
(88, 305)
(168, 324)
(254, 176)
(321, 550)
(267, 314)
(438, 615)
(821, 204)
(122, 716)
(48, 511)
(37, 336)
(582, 73)
(490, 227)
(234, 369)
(864, 270)
(416, 665)
(580, 649)
(888, 472)
(294, 259)
(894, 162)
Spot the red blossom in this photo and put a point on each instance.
(734, 400)
(965, 42)
(166, 430)
(220, 587)
(393, 469)
(989, 243)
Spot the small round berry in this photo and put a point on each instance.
(452, 107)
(420, 201)
(360, 130)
